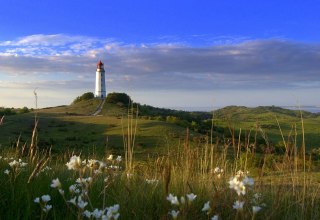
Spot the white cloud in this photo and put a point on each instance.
(68, 62)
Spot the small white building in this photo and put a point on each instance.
(100, 91)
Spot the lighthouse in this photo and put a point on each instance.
(100, 91)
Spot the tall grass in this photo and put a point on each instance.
(288, 189)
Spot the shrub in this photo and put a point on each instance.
(83, 97)
(117, 98)
(24, 110)
(7, 111)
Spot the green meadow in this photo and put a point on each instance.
(140, 162)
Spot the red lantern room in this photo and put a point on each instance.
(99, 64)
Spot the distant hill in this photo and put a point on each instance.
(242, 112)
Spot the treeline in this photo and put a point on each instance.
(196, 121)
(13, 111)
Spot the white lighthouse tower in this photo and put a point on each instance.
(100, 91)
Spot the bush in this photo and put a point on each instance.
(24, 110)
(7, 111)
(83, 97)
(117, 98)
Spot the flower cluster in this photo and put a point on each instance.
(74, 163)
(6, 158)
(206, 208)
(43, 202)
(118, 159)
(17, 164)
(218, 172)
(79, 191)
(78, 201)
(257, 203)
(180, 203)
(152, 181)
(108, 213)
(240, 182)
(46, 169)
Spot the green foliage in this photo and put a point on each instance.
(24, 110)
(83, 97)
(7, 111)
(118, 98)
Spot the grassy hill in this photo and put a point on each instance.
(270, 119)
(71, 127)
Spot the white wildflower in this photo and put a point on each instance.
(215, 217)
(81, 203)
(256, 209)
(114, 208)
(87, 214)
(238, 205)
(102, 165)
(112, 212)
(88, 179)
(73, 201)
(56, 183)
(47, 208)
(257, 196)
(152, 181)
(129, 175)
(72, 188)
(7, 171)
(248, 181)
(74, 163)
(97, 213)
(119, 159)
(110, 157)
(173, 199)
(36, 200)
(174, 214)
(61, 191)
(191, 197)
(14, 163)
(92, 163)
(45, 198)
(206, 207)
(240, 189)
(23, 164)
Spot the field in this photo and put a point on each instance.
(120, 166)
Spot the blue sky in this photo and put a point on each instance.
(163, 53)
